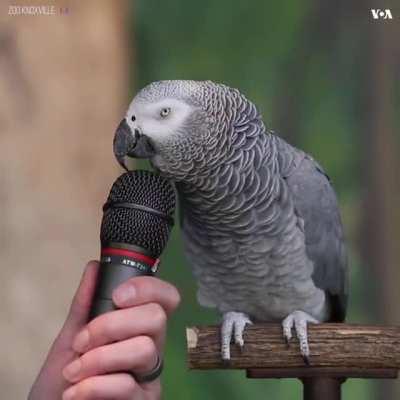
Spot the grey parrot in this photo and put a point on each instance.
(259, 217)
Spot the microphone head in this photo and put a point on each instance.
(139, 211)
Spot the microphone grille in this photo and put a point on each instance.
(124, 224)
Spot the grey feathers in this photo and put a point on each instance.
(316, 205)
(260, 219)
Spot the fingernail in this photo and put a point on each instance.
(69, 394)
(124, 296)
(72, 369)
(81, 341)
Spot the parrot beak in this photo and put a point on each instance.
(129, 144)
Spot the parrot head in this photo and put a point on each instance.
(182, 127)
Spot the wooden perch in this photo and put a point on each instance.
(337, 350)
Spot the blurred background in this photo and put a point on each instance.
(325, 76)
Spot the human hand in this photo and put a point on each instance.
(128, 339)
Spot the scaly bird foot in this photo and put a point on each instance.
(233, 324)
(298, 320)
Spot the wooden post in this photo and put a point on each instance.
(338, 352)
(322, 388)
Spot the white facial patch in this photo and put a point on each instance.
(150, 120)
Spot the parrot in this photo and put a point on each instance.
(260, 220)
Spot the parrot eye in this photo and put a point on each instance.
(133, 118)
(165, 112)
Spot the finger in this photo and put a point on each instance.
(61, 352)
(138, 355)
(146, 289)
(147, 319)
(116, 387)
(80, 306)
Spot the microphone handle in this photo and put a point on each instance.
(114, 269)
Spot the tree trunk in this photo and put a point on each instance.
(381, 217)
(63, 88)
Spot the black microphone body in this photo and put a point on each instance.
(118, 263)
(137, 221)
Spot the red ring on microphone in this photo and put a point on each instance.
(109, 251)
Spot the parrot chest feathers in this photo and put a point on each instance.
(247, 251)
(255, 279)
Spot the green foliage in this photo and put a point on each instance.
(303, 80)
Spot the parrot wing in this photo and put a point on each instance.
(317, 208)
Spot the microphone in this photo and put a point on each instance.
(137, 221)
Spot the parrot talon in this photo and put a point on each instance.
(226, 362)
(233, 324)
(306, 360)
(287, 330)
(240, 345)
(298, 320)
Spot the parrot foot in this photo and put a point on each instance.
(233, 324)
(298, 320)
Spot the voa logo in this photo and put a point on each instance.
(378, 13)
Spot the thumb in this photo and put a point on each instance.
(50, 380)
(80, 306)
